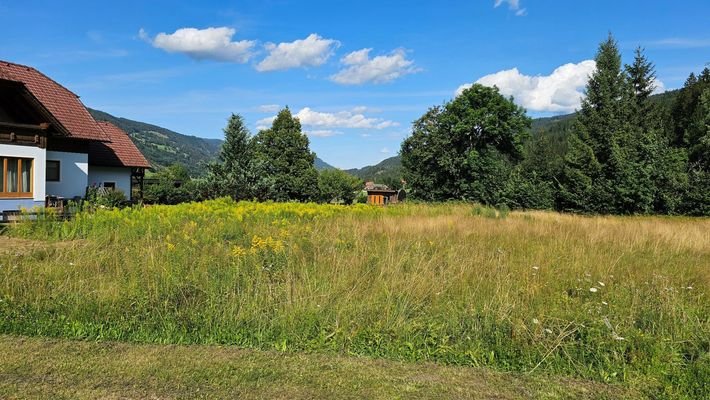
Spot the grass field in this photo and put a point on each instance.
(62, 369)
(619, 300)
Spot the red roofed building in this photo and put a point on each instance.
(50, 146)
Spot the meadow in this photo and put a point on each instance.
(621, 300)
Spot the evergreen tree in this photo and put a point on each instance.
(654, 169)
(689, 120)
(604, 171)
(233, 176)
(285, 162)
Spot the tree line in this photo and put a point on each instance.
(624, 153)
(275, 164)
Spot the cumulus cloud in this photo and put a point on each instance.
(312, 51)
(341, 119)
(659, 86)
(323, 133)
(385, 150)
(268, 108)
(560, 92)
(325, 121)
(360, 68)
(680, 43)
(513, 5)
(203, 44)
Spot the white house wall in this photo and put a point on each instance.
(39, 166)
(121, 176)
(73, 174)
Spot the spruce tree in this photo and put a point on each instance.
(608, 167)
(233, 176)
(594, 148)
(285, 162)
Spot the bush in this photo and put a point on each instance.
(104, 197)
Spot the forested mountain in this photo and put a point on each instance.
(388, 171)
(164, 147)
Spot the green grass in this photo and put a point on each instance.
(57, 369)
(621, 300)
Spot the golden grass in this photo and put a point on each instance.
(618, 299)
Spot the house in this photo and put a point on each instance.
(51, 147)
(380, 194)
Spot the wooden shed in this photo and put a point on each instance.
(379, 194)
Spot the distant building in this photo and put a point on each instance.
(380, 194)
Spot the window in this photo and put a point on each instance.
(53, 171)
(15, 177)
(110, 185)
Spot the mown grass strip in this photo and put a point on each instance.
(64, 369)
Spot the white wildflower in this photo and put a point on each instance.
(605, 303)
(617, 337)
(548, 330)
(536, 321)
(593, 289)
(601, 283)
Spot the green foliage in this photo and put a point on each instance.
(104, 198)
(235, 173)
(163, 147)
(173, 186)
(450, 283)
(388, 172)
(338, 186)
(618, 160)
(284, 162)
(466, 149)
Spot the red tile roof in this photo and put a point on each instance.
(119, 152)
(64, 105)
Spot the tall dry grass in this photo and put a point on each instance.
(611, 298)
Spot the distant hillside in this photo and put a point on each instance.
(322, 165)
(563, 122)
(163, 147)
(388, 171)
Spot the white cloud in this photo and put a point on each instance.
(560, 92)
(680, 43)
(312, 51)
(203, 44)
(269, 108)
(341, 119)
(385, 150)
(265, 123)
(325, 120)
(660, 87)
(380, 69)
(513, 5)
(323, 133)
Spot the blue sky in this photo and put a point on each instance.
(187, 66)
